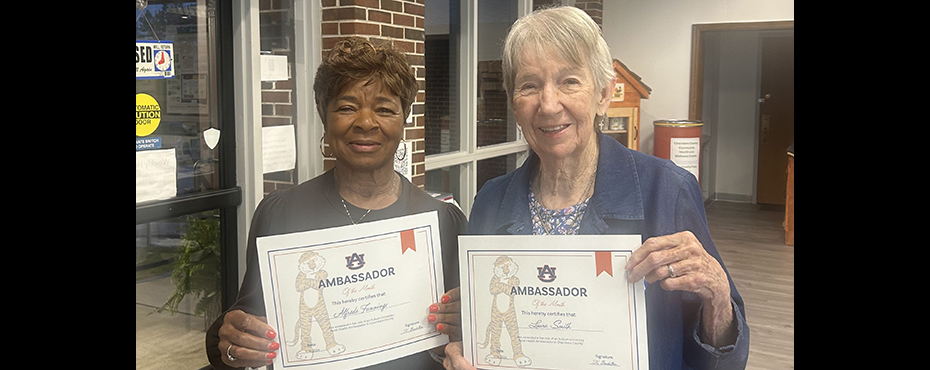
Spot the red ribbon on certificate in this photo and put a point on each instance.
(602, 263)
(407, 241)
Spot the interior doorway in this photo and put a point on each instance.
(726, 94)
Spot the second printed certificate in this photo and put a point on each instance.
(353, 296)
(551, 302)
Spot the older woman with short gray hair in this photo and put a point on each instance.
(558, 73)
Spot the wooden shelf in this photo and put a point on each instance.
(629, 136)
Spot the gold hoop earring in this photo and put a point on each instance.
(321, 148)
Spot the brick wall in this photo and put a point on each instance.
(400, 23)
(594, 8)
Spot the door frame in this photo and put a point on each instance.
(228, 196)
(699, 34)
(696, 93)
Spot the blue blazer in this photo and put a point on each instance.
(634, 193)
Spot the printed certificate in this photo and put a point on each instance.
(353, 296)
(551, 302)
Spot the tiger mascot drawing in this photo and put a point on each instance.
(505, 271)
(312, 307)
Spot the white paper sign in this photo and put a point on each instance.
(156, 175)
(279, 148)
(686, 153)
(274, 67)
(353, 296)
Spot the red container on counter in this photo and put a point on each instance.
(680, 142)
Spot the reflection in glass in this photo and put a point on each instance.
(276, 25)
(443, 183)
(186, 100)
(174, 252)
(493, 118)
(446, 182)
(442, 77)
(494, 167)
(495, 121)
(177, 290)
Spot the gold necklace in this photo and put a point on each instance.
(393, 187)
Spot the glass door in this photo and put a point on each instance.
(186, 194)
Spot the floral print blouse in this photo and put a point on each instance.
(565, 221)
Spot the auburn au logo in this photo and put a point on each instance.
(355, 261)
(546, 274)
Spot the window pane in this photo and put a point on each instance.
(494, 167)
(495, 121)
(442, 77)
(170, 325)
(276, 24)
(176, 134)
(443, 183)
(175, 97)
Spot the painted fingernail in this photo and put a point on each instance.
(271, 355)
(274, 346)
(431, 318)
(439, 327)
(445, 299)
(271, 334)
(433, 308)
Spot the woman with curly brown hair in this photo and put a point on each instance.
(363, 93)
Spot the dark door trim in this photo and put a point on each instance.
(696, 94)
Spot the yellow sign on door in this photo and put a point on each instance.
(148, 114)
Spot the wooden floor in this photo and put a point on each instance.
(751, 241)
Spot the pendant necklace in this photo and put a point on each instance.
(393, 187)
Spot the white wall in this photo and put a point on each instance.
(653, 39)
